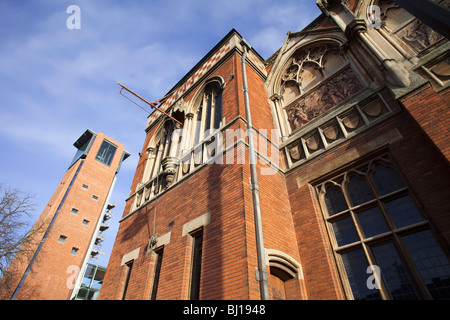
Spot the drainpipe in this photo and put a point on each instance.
(262, 273)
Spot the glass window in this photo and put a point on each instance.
(106, 153)
(411, 262)
(372, 222)
(394, 272)
(386, 179)
(334, 200)
(197, 248)
(431, 263)
(209, 112)
(74, 211)
(62, 239)
(74, 251)
(129, 267)
(218, 110)
(358, 190)
(403, 211)
(344, 231)
(159, 256)
(355, 264)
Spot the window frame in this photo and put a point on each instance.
(127, 276)
(159, 252)
(340, 178)
(109, 159)
(205, 108)
(196, 263)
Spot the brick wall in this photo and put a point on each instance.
(422, 165)
(432, 113)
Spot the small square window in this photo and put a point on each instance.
(74, 211)
(74, 251)
(85, 222)
(95, 197)
(85, 187)
(62, 239)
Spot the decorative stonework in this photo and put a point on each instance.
(419, 36)
(314, 57)
(332, 130)
(170, 165)
(413, 32)
(325, 97)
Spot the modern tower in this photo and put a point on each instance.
(69, 225)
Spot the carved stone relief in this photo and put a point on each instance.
(306, 67)
(413, 32)
(330, 94)
(349, 121)
(419, 36)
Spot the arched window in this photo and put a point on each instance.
(283, 276)
(383, 226)
(162, 159)
(208, 116)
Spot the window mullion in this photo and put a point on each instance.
(371, 259)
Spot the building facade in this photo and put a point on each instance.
(351, 123)
(68, 228)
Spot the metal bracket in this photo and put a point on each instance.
(258, 275)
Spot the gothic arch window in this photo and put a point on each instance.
(208, 110)
(162, 158)
(317, 77)
(373, 219)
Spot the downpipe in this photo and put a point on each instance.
(262, 273)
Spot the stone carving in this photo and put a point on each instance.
(331, 132)
(420, 36)
(180, 105)
(417, 34)
(295, 151)
(327, 96)
(170, 165)
(442, 70)
(315, 57)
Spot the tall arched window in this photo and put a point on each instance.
(208, 115)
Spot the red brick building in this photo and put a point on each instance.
(351, 117)
(69, 225)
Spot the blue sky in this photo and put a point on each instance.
(55, 83)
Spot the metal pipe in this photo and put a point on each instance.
(263, 280)
(152, 104)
